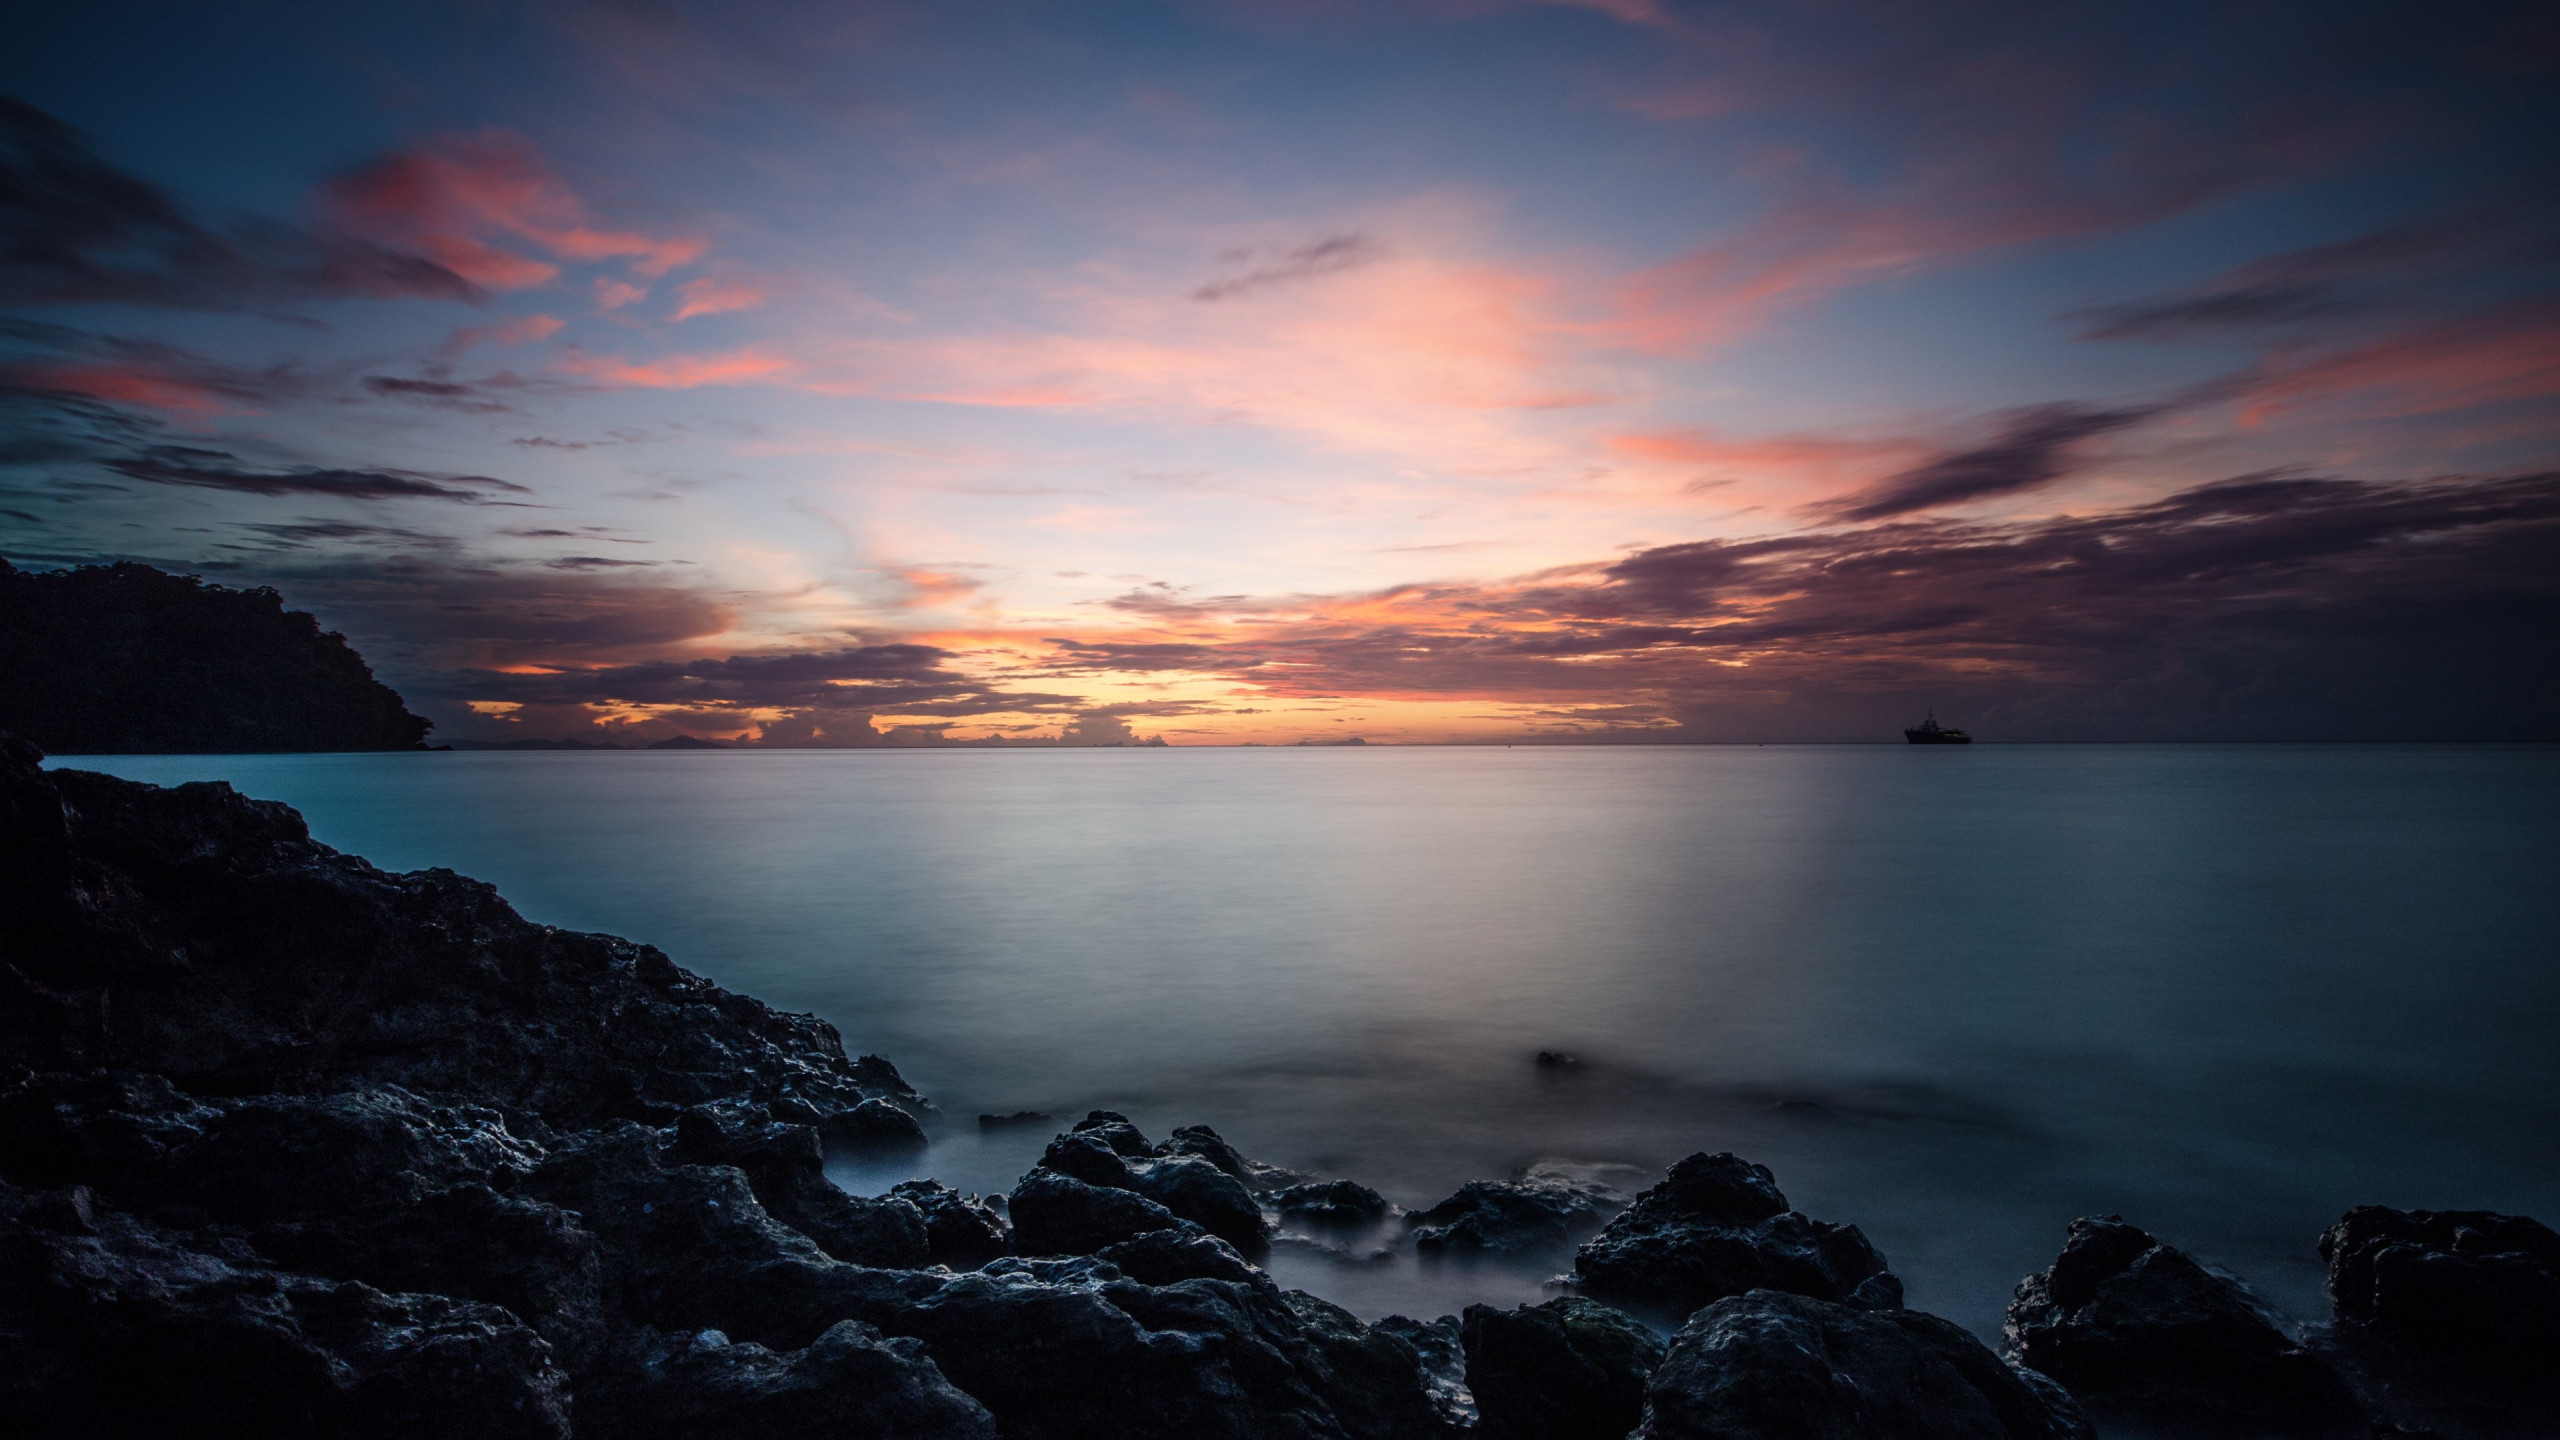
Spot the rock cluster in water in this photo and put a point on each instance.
(289, 1145)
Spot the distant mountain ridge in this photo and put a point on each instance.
(126, 659)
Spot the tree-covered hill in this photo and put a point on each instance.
(126, 659)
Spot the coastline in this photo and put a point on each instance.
(246, 1064)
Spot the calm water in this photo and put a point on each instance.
(1956, 996)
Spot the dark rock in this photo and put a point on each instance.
(786, 1166)
(1718, 1226)
(849, 1382)
(1570, 1369)
(1099, 1153)
(237, 956)
(1056, 1214)
(2140, 1332)
(961, 1231)
(1373, 1380)
(1541, 1212)
(2448, 1319)
(1204, 1142)
(110, 1326)
(1018, 1120)
(1558, 1060)
(874, 1127)
(1332, 1205)
(1773, 1366)
(1443, 1354)
(1163, 1257)
(2472, 1289)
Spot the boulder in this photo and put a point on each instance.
(1717, 1226)
(1055, 1214)
(1570, 1369)
(1106, 1151)
(2469, 1290)
(1767, 1365)
(1331, 1205)
(2140, 1332)
(961, 1231)
(1542, 1211)
(874, 1127)
(1206, 1143)
(1440, 1345)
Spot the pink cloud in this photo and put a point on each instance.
(521, 330)
(708, 296)
(453, 196)
(745, 366)
(2507, 354)
(612, 294)
(130, 385)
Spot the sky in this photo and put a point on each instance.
(1284, 371)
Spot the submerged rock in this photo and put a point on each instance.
(1717, 1226)
(1570, 1369)
(2139, 1331)
(1332, 1205)
(1773, 1366)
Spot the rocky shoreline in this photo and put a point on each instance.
(290, 1145)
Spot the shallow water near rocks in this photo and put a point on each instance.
(1955, 996)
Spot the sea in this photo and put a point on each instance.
(1957, 996)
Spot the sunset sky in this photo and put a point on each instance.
(1288, 369)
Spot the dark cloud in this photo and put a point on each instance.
(1083, 655)
(75, 230)
(2033, 448)
(2264, 607)
(1329, 256)
(594, 562)
(221, 470)
(2374, 271)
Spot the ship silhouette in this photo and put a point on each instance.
(1930, 732)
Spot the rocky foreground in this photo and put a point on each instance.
(292, 1146)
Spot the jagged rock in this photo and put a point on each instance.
(1718, 1226)
(111, 1326)
(2470, 1289)
(1108, 1152)
(1206, 1143)
(237, 956)
(2139, 1331)
(1541, 1212)
(849, 1382)
(1570, 1369)
(1163, 1257)
(1055, 1214)
(1373, 1380)
(1332, 1205)
(787, 1166)
(961, 1231)
(874, 1127)
(1444, 1363)
(1773, 1366)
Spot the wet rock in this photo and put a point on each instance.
(1773, 1366)
(236, 956)
(2448, 1319)
(874, 1127)
(1018, 1120)
(1541, 1212)
(1055, 1214)
(2139, 1331)
(1440, 1346)
(2470, 1289)
(961, 1231)
(1570, 1369)
(850, 1382)
(1717, 1226)
(786, 1165)
(1206, 1143)
(1331, 1205)
(1374, 1380)
(113, 1326)
(1163, 1257)
(1106, 1151)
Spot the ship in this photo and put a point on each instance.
(1930, 732)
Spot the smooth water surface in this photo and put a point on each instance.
(1957, 996)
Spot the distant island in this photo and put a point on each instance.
(125, 659)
